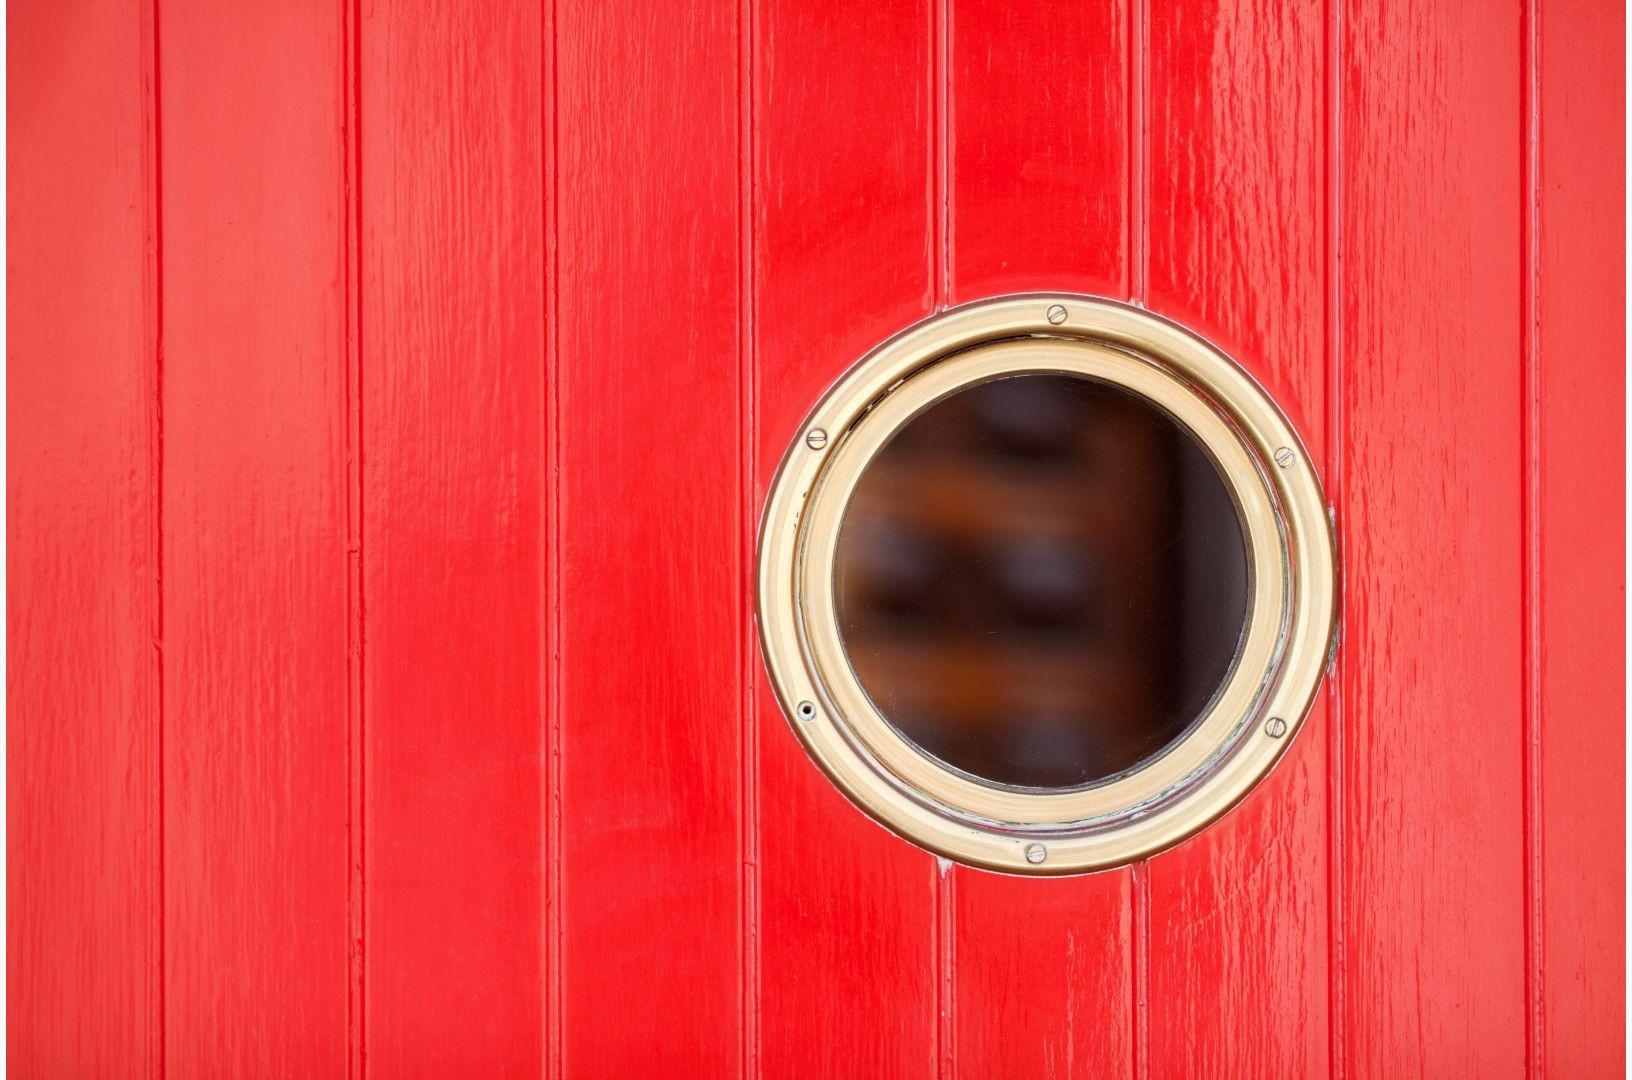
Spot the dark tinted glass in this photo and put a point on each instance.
(1042, 580)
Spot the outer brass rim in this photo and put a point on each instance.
(1279, 665)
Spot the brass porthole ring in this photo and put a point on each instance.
(1247, 725)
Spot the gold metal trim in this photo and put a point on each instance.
(1278, 668)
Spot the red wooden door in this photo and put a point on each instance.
(393, 389)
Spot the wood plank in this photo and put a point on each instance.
(1432, 868)
(842, 188)
(1042, 975)
(82, 961)
(453, 537)
(1579, 536)
(1039, 144)
(255, 564)
(1236, 214)
(1037, 125)
(651, 539)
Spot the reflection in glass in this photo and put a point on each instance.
(1042, 580)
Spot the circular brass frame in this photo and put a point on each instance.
(1278, 667)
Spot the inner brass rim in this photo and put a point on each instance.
(1219, 757)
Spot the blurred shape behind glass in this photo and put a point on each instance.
(1042, 580)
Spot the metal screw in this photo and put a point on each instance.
(1275, 728)
(1056, 315)
(816, 438)
(806, 710)
(1036, 853)
(1284, 457)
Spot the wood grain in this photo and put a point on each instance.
(842, 259)
(1236, 219)
(82, 741)
(255, 563)
(1579, 537)
(1039, 146)
(651, 540)
(1432, 677)
(1038, 199)
(453, 537)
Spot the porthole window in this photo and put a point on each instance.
(1046, 584)
(1041, 580)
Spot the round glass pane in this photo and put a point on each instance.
(1042, 580)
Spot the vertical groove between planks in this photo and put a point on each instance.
(946, 916)
(1138, 239)
(1139, 952)
(1138, 287)
(1337, 940)
(554, 1049)
(154, 302)
(747, 391)
(1529, 376)
(356, 816)
(940, 267)
(941, 150)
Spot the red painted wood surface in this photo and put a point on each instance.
(651, 519)
(253, 525)
(1431, 858)
(83, 926)
(449, 528)
(1577, 540)
(393, 389)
